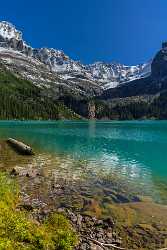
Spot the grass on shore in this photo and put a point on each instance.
(19, 231)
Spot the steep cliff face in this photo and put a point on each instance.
(91, 110)
(159, 64)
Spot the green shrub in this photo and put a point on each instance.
(18, 231)
(62, 233)
(9, 191)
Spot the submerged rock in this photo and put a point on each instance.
(95, 247)
(24, 172)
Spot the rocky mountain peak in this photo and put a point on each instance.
(11, 38)
(55, 59)
(106, 75)
(8, 31)
(159, 63)
(164, 45)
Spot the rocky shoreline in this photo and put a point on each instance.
(111, 232)
(103, 233)
(94, 233)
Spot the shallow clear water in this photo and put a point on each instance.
(136, 151)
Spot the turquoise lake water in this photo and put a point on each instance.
(136, 150)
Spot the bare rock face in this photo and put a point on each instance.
(159, 64)
(10, 37)
(20, 45)
(12, 43)
(91, 110)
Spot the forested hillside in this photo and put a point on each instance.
(145, 107)
(20, 99)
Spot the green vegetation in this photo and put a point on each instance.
(19, 231)
(20, 99)
(132, 110)
(122, 111)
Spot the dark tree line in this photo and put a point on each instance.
(157, 109)
(20, 99)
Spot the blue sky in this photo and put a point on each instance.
(127, 31)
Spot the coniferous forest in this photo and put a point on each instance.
(20, 99)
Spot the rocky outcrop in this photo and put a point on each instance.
(159, 64)
(91, 110)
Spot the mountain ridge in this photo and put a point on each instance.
(94, 91)
(107, 75)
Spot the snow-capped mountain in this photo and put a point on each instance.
(111, 75)
(8, 31)
(11, 38)
(107, 75)
(46, 66)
